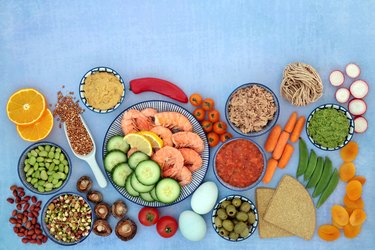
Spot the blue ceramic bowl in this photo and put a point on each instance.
(269, 125)
(82, 92)
(44, 225)
(238, 188)
(341, 109)
(21, 165)
(253, 208)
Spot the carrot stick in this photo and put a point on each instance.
(289, 126)
(283, 140)
(271, 167)
(285, 157)
(272, 138)
(297, 129)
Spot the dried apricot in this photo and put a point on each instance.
(351, 231)
(328, 232)
(349, 152)
(359, 178)
(347, 171)
(339, 215)
(349, 210)
(354, 190)
(357, 217)
(353, 204)
(336, 225)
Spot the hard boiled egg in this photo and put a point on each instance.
(204, 198)
(192, 226)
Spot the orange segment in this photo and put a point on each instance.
(39, 130)
(26, 106)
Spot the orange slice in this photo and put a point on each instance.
(26, 106)
(39, 130)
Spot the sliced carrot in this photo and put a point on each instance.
(297, 129)
(289, 126)
(283, 140)
(272, 138)
(285, 157)
(271, 167)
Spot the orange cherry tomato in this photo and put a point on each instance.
(213, 139)
(214, 115)
(207, 126)
(220, 127)
(195, 99)
(199, 113)
(225, 136)
(208, 104)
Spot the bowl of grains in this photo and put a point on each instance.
(67, 218)
(252, 109)
(102, 90)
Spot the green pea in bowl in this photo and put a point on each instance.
(44, 168)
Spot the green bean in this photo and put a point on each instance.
(327, 170)
(332, 184)
(303, 157)
(317, 173)
(311, 165)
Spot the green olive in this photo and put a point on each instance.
(251, 218)
(224, 204)
(223, 232)
(228, 225)
(231, 210)
(236, 202)
(241, 216)
(218, 222)
(245, 207)
(233, 236)
(245, 233)
(221, 213)
(239, 227)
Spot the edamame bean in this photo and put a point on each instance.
(62, 157)
(57, 155)
(48, 185)
(51, 154)
(34, 153)
(47, 148)
(28, 179)
(61, 168)
(34, 180)
(58, 184)
(43, 175)
(30, 172)
(26, 168)
(57, 162)
(32, 160)
(40, 159)
(43, 154)
(62, 175)
(41, 189)
(41, 148)
(66, 170)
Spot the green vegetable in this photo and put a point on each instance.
(317, 173)
(303, 157)
(311, 165)
(328, 127)
(332, 184)
(327, 170)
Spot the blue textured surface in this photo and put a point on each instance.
(206, 46)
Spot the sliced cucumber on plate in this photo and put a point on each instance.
(136, 158)
(113, 158)
(120, 173)
(117, 142)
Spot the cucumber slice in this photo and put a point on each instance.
(120, 173)
(168, 190)
(113, 158)
(153, 194)
(117, 142)
(129, 188)
(139, 187)
(148, 172)
(146, 197)
(136, 158)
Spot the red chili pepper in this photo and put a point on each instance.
(159, 86)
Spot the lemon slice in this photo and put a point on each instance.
(156, 141)
(140, 142)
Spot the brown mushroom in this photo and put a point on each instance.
(84, 184)
(102, 210)
(102, 228)
(126, 229)
(95, 196)
(119, 209)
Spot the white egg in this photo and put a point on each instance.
(204, 198)
(192, 226)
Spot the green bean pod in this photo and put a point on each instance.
(332, 184)
(311, 165)
(317, 173)
(327, 171)
(303, 157)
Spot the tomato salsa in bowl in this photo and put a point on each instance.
(239, 164)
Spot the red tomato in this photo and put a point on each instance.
(148, 216)
(167, 226)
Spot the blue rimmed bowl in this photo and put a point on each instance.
(253, 208)
(347, 115)
(21, 166)
(82, 91)
(46, 228)
(229, 186)
(270, 123)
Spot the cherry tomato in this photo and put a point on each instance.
(208, 104)
(225, 136)
(214, 115)
(195, 99)
(213, 139)
(148, 216)
(207, 126)
(167, 226)
(199, 114)
(220, 127)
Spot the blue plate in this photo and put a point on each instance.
(161, 106)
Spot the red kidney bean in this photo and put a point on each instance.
(13, 187)
(26, 206)
(26, 198)
(10, 200)
(25, 240)
(19, 206)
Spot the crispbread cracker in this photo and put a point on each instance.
(292, 209)
(267, 230)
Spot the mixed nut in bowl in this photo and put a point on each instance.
(252, 109)
(44, 168)
(67, 218)
(235, 218)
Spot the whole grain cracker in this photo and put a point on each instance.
(292, 209)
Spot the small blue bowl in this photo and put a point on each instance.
(82, 91)
(341, 109)
(46, 230)
(253, 208)
(22, 174)
(270, 123)
(227, 185)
